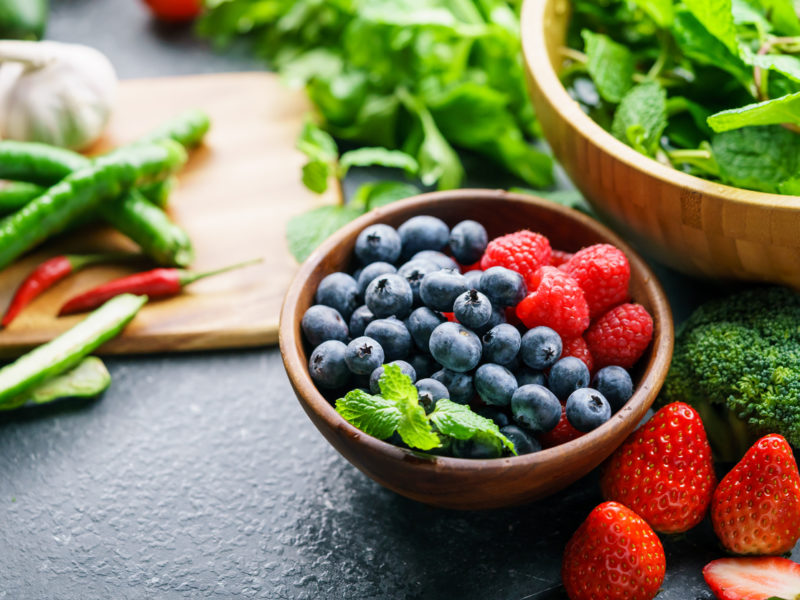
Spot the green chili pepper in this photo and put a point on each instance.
(16, 194)
(23, 19)
(37, 163)
(158, 193)
(67, 350)
(82, 192)
(188, 129)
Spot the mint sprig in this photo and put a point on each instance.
(397, 409)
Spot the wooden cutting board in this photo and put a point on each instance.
(234, 198)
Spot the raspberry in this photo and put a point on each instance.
(473, 267)
(559, 257)
(563, 432)
(555, 301)
(620, 336)
(603, 273)
(577, 347)
(450, 317)
(523, 252)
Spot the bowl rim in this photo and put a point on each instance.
(540, 69)
(290, 338)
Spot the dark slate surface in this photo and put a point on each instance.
(199, 476)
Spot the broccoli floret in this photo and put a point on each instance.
(737, 361)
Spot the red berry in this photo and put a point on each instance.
(523, 252)
(473, 267)
(756, 507)
(450, 317)
(620, 336)
(556, 301)
(577, 347)
(753, 578)
(561, 434)
(559, 257)
(664, 471)
(603, 273)
(614, 555)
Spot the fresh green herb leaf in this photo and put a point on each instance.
(317, 144)
(611, 65)
(661, 11)
(783, 14)
(374, 415)
(460, 422)
(642, 117)
(717, 18)
(771, 112)
(307, 231)
(413, 426)
(381, 193)
(315, 175)
(744, 13)
(758, 158)
(784, 64)
(376, 156)
(790, 187)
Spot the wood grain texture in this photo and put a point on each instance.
(234, 198)
(461, 483)
(695, 225)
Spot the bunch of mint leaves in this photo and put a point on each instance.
(407, 83)
(711, 87)
(397, 409)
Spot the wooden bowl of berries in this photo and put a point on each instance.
(475, 349)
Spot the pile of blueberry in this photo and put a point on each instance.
(447, 330)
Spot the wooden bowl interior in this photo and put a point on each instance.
(461, 483)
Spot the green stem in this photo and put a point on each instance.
(187, 277)
(79, 261)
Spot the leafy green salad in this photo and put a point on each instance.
(711, 87)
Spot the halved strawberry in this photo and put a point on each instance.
(757, 578)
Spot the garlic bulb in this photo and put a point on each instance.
(59, 94)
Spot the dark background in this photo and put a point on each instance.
(199, 476)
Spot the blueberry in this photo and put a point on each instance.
(494, 413)
(361, 317)
(468, 240)
(430, 391)
(495, 384)
(498, 317)
(541, 348)
(393, 337)
(339, 291)
(536, 408)
(440, 259)
(327, 365)
(376, 375)
(501, 344)
(414, 271)
(389, 295)
(477, 447)
(371, 271)
(587, 409)
(615, 384)
(423, 233)
(322, 323)
(455, 347)
(472, 309)
(378, 243)
(421, 323)
(504, 287)
(527, 376)
(363, 355)
(474, 279)
(458, 384)
(566, 376)
(440, 289)
(523, 443)
(424, 365)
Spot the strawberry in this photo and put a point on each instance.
(614, 555)
(664, 471)
(755, 578)
(756, 507)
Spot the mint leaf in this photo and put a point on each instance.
(790, 186)
(374, 415)
(375, 156)
(380, 193)
(642, 117)
(759, 158)
(322, 153)
(88, 379)
(745, 13)
(413, 426)
(785, 109)
(460, 422)
(783, 15)
(784, 64)
(661, 11)
(307, 231)
(611, 65)
(717, 17)
(315, 175)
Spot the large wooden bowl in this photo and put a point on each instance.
(464, 483)
(697, 226)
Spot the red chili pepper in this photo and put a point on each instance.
(51, 272)
(158, 283)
